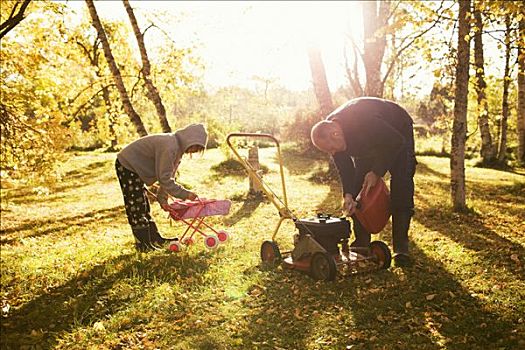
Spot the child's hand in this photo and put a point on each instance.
(192, 196)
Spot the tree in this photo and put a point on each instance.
(459, 127)
(322, 91)
(128, 107)
(90, 48)
(153, 93)
(15, 17)
(502, 154)
(521, 91)
(375, 18)
(393, 33)
(33, 116)
(488, 150)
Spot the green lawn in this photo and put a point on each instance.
(71, 279)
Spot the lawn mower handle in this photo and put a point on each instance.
(282, 207)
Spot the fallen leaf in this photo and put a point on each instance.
(5, 309)
(430, 297)
(99, 326)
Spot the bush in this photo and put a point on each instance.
(298, 131)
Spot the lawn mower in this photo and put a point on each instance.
(321, 244)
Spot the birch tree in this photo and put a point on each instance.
(521, 91)
(502, 153)
(152, 92)
(488, 149)
(459, 127)
(128, 107)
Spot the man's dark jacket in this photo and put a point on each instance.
(374, 129)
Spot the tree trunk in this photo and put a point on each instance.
(502, 155)
(107, 102)
(14, 19)
(459, 127)
(521, 92)
(488, 149)
(375, 21)
(93, 55)
(253, 159)
(128, 107)
(353, 75)
(153, 93)
(322, 91)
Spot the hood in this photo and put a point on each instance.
(193, 134)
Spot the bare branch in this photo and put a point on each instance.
(82, 106)
(86, 51)
(145, 30)
(13, 21)
(406, 46)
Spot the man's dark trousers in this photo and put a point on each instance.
(402, 173)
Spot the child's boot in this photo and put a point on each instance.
(142, 239)
(155, 237)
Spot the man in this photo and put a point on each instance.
(367, 137)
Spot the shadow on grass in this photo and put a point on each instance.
(38, 228)
(452, 318)
(249, 205)
(493, 250)
(74, 179)
(424, 169)
(377, 310)
(470, 229)
(87, 297)
(90, 169)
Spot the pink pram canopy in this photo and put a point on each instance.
(180, 209)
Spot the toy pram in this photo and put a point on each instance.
(193, 214)
(321, 245)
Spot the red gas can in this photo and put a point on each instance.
(373, 210)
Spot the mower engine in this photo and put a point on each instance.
(323, 233)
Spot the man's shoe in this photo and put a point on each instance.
(402, 260)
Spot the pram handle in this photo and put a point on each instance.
(200, 200)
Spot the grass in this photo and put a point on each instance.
(71, 279)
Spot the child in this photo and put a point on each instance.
(147, 160)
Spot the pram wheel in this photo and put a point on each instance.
(270, 253)
(381, 254)
(322, 267)
(175, 246)
(211, 241)
(223, 236)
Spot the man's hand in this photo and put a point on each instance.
(349, 205)
(369, 182)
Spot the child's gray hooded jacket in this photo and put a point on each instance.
(156, 157)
